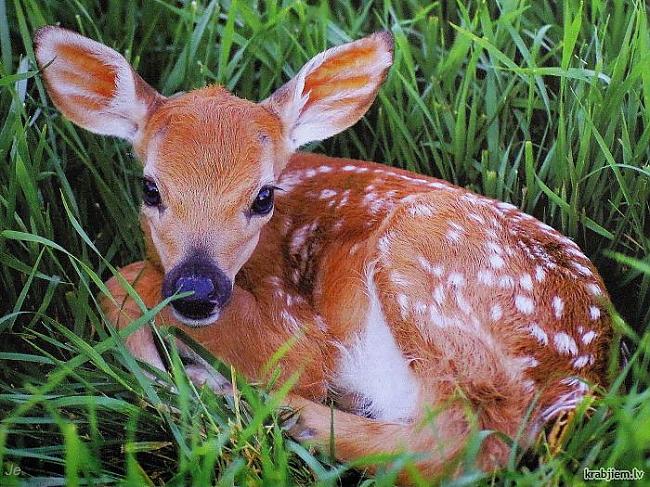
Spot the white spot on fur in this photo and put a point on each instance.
(539, 334)
(424, 263)
(349, 168)
(462, 303)
(454, 236)
(399, 279)
(420, 210)
(369, 198)
(320, 322)
(576, 383)
(384, 244)
(565, 344)
(457, 227)
(496, 261)
(290, 322)
(344, 199)
(494, 247)
(539, 273)
(594, 289)
(275, 281)
(378, 205)
(300, 236)
(580, 362)
(437, 318)
(439, 294)
(486, 277)
(472, 198)
(327, 194)
(594, 313)
(436, 270)
(506, 282)
(374, 369)
(286, 226)
(526, 282)
(420, 307)
(409, 199)
(589, 337)
(584, 270)
(524, 304)
(506, 206)
(437, 185)
(403, 301)
(529, 362)
(496, 312)
(558, 307)
(456, 279)
(477, 218)
(573, 249)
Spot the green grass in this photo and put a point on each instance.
(541, 103)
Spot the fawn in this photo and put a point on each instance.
(403, 294)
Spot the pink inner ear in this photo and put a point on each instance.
(329, 88)
(348, 70)
(352, 61)
(84, 71)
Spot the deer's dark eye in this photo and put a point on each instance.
(150, 193)
(263, 203)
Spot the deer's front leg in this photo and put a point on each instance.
(122, 309)
(247, 335)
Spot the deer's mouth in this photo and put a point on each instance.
(196, 321)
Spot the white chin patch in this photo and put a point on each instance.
(197, 323)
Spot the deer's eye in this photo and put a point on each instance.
(263, 203)
(150, 193)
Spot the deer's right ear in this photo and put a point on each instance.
(93, 85)
(333, 90)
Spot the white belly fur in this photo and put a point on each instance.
(373, 369)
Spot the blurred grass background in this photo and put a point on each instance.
(544, 104)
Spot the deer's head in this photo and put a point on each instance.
(210, 159)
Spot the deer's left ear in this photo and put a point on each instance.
(333, 90)
(93, 85)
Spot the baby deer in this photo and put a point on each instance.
(406, 298)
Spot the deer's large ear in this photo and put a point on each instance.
(93, 85)
(333, 90)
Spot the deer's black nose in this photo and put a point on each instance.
(201, 286)
(201, 303)
(210, 288)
